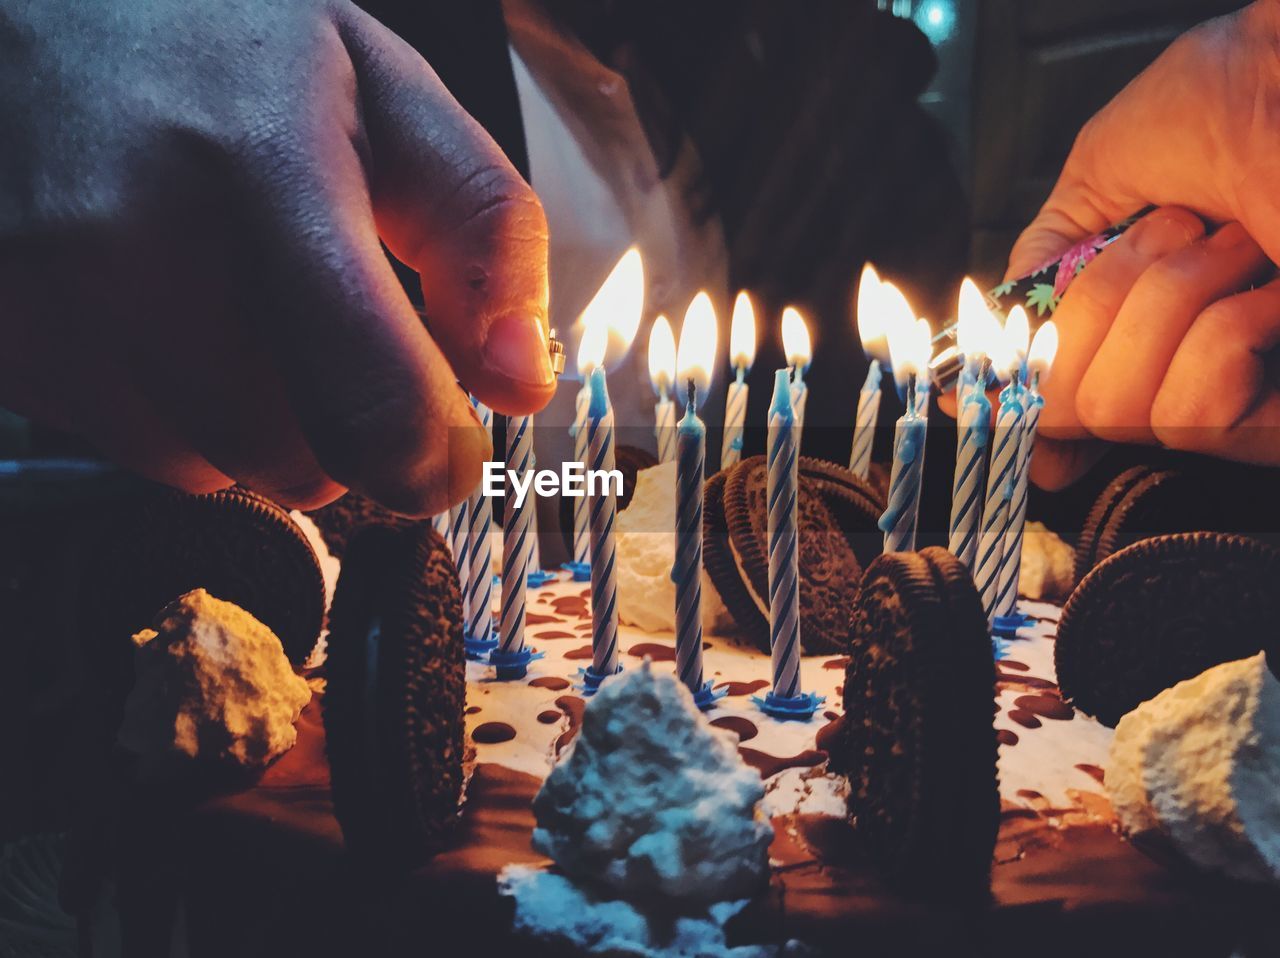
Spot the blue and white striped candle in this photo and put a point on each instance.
(798, 347)
(909, 342)
(1001, 479)
(1039, 364)
(864, 427)
(479, 620)
(604, 552)
(784, 542)
(581, 529)
(662, 372)
(973, 430)
(694, 363)
(516, 543)
(742, 353)
(1011, 556)
(459, 545)
(440, 522)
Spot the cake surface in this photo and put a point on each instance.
(1062, 878)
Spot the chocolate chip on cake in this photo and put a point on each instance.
(393, 711)
(1161, 611)
(918, 743)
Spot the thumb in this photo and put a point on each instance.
(449, 204)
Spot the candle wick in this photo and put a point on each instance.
(911, 394)
(693, 394)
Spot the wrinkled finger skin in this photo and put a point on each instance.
(193, 199)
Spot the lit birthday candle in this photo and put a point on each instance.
(742, 353)
(976, 326)
(695, 361)
(620, 301)
(924, 388)
(579, 563)
(876, 347)
(1039, 364)
(897, 312)
(662, 370)
(909, 345)
(610, 309)
(1003, 472)
(477, 635)
(785, 700)
(798, 348)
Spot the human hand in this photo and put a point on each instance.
(191, 203)
(1159, 340)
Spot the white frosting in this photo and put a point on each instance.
(212, 683)
(652, 804)
(1048, 564)
(1200, 764)
(550, 906)
(646, 550)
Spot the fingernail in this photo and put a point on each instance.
(516, 347)
(1161, 233)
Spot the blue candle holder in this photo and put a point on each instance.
(537, 578)
(513, 665)
(706, 697)
(478, 649)
(1007, 626)
(796, 707)
(591, 679)
(581, 571)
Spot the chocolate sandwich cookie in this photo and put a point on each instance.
(1141, 502)
(855, 504)
(393, 706)
(917, 741)
(722, 569)
(830, 518)
(345, 516)
(630, 461)
(234, 544)
(1161, 611)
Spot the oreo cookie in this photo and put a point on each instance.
(342, 518)
(393, 705)
(1161, 611)
(236, 545)
(836, 512)
(917, 740)
(1140, 502)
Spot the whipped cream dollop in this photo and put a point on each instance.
(1047, 570)
(1200, 765)
(212, 683)
(652, 802)
(646, 545)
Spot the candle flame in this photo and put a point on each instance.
(976, 327)
(899, 321)
(795, 338)
(662, 356)
(591, 349)
(742, 332)
(1017, 331)
(910, 345)
(871, 315)
(1044, 348)
(616, 308)
(697, 353)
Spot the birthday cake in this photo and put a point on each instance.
(631, 824)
